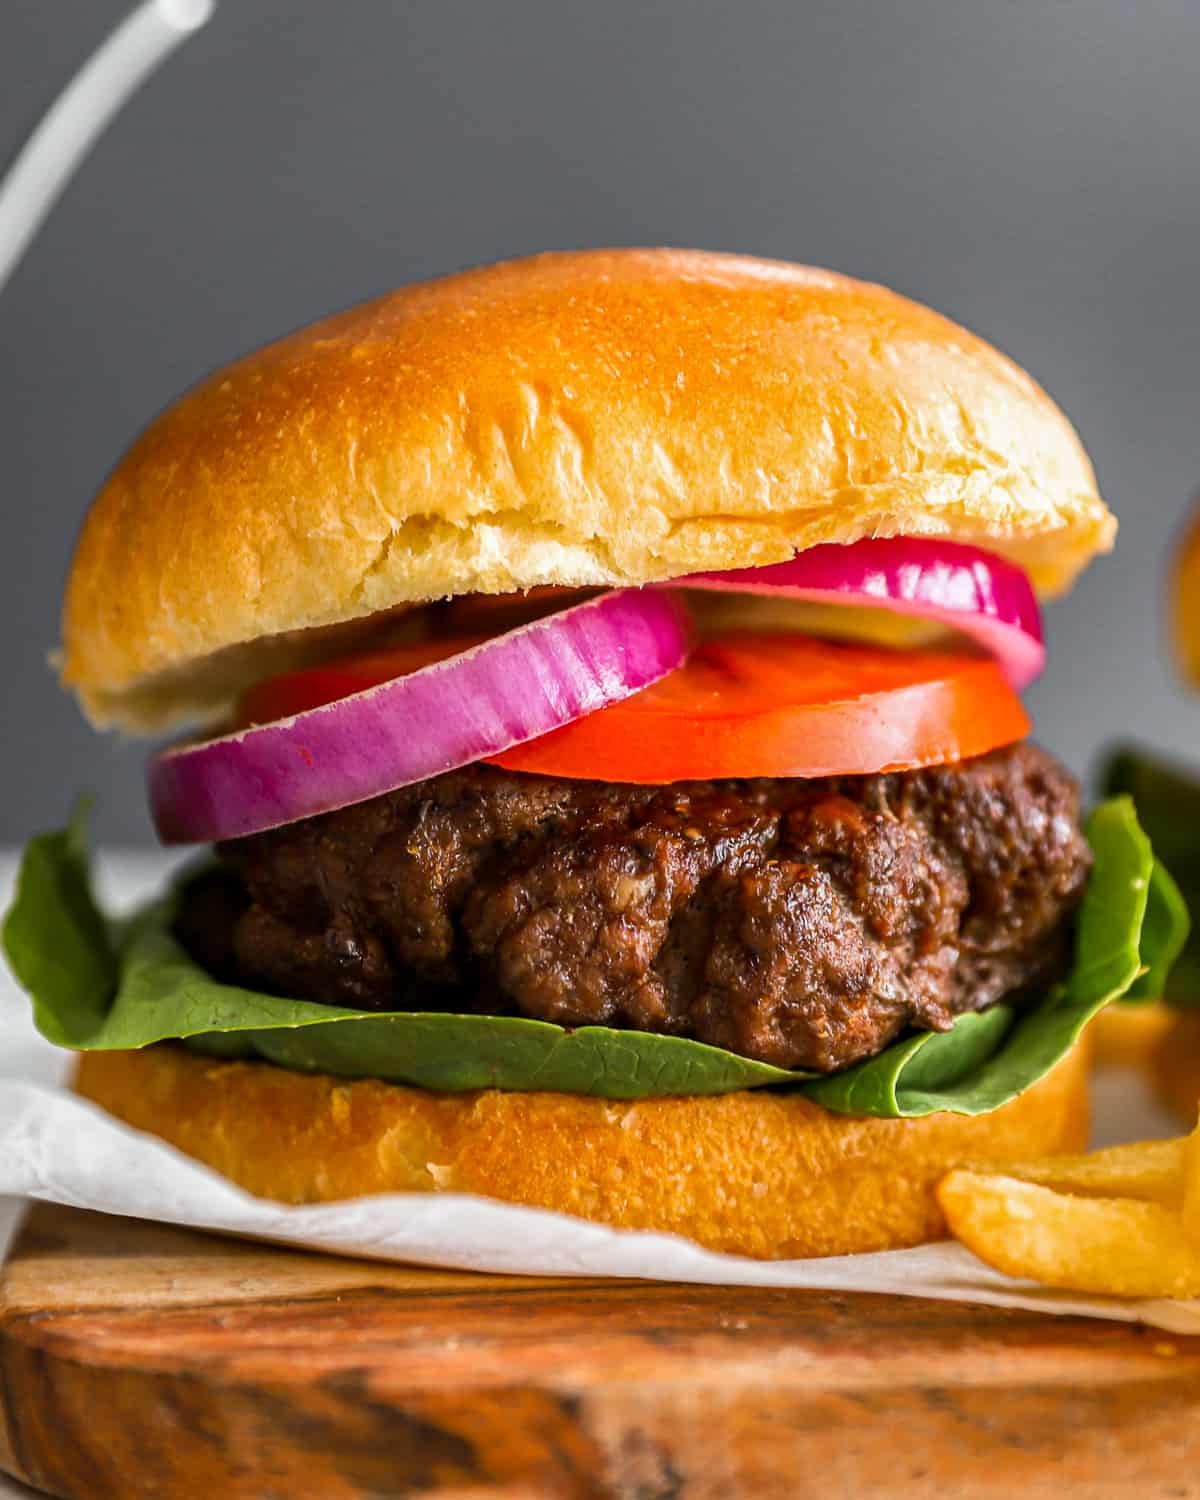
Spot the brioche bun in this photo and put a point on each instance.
(610, 417)
(1186, 601)
(766, 1175)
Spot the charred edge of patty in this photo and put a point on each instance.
(801, 923)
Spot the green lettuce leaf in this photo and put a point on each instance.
(1167, 799)
(157, 993)
(58, 944)
(96, 989)
(1165, 935)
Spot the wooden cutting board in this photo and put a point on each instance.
(137, 1360)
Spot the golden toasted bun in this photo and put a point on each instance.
(611, 417)
(1186, 600)
(751, 1173)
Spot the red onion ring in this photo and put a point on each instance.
(482, 701)
(981, 595)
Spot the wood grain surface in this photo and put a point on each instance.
(138, 1360)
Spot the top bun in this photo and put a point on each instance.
(610, 417)
(1186, 600)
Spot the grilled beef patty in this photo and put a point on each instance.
(803, 923)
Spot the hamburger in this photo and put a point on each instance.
(599, 676)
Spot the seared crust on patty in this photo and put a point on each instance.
(802, 923)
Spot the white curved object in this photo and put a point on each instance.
(82, 111)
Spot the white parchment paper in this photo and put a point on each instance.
(59, 1148)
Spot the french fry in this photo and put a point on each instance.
(1175, 1064)
(1123, 1222)
(1190, 1209)
(1159, 1041)
(1128, 1036)
(1150, 1171)
(1113, 1246)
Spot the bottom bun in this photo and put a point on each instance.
(766, 1175)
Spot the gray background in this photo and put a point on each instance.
(1031, 167)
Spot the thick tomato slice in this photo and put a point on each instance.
(788, 705)
(746, 704)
